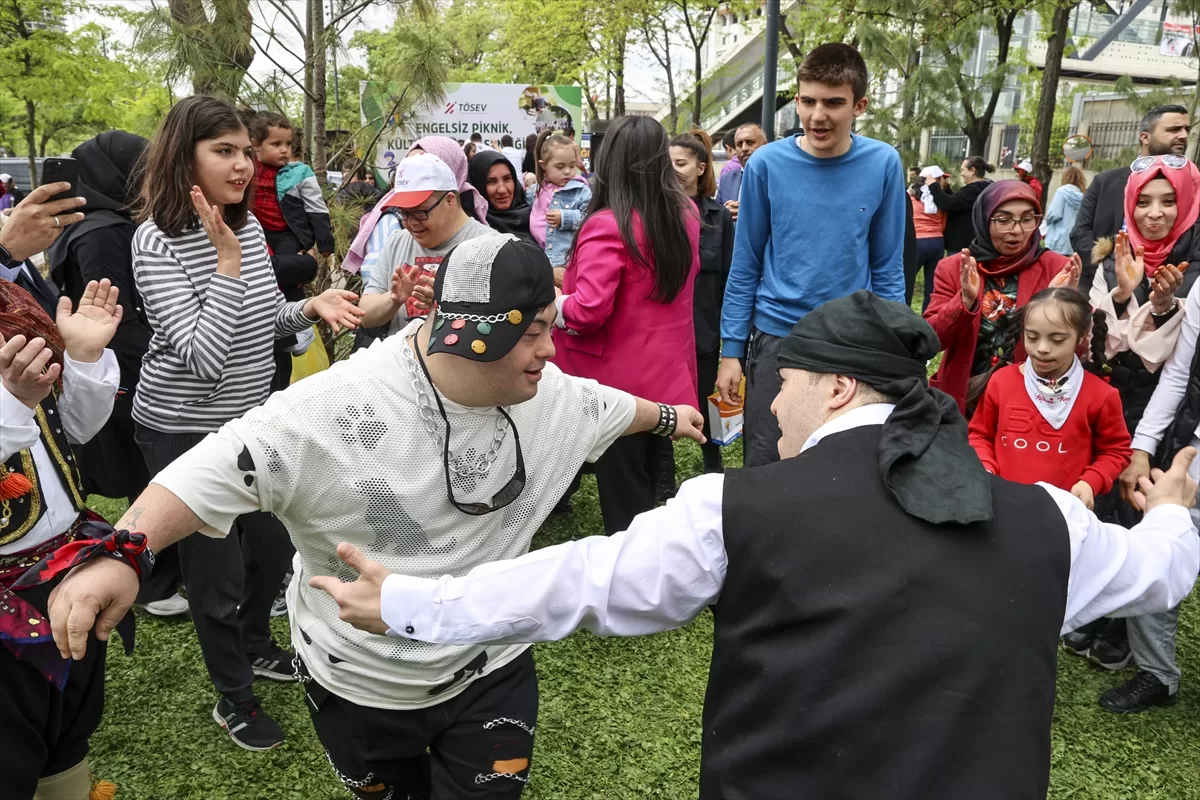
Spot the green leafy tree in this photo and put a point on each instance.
(909, 94)
(207, 42)
(958, 31)
(1044, 125)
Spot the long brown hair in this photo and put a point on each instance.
(1074, 176)
(167, 165)
(706, 186)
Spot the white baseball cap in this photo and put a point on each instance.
(5, 177)
(1026, 166)
(417, 178)
(933, 172)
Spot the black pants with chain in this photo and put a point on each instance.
(477, 744)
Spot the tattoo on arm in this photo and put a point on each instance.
(130, 519)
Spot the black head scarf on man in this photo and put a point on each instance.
(925, 460)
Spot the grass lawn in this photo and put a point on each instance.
(619, 720)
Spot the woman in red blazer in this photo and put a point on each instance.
(626, 312)
(976, 291)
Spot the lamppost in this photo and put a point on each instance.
(770, 70)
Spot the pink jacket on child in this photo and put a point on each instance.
(616, 333)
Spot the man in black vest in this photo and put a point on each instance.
(888, 613)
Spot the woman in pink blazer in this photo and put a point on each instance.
(625, 316)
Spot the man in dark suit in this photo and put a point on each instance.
(1164, 130)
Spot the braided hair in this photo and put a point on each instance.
(20, 315)
(1076, 312)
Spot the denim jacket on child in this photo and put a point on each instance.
(572, 200)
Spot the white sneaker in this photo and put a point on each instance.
(279, 607)
(173, 606)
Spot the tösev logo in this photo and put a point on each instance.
(465, 108)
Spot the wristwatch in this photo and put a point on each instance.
(6, 258)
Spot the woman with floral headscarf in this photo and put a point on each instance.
(976, 291)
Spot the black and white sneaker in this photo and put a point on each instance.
(275, 665)
(248, 725)
(1141, 692)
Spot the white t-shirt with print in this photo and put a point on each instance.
(348, 456)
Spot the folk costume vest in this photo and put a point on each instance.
(861, 653)
(21, 495)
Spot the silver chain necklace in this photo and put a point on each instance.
(461, 466)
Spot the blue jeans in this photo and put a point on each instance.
(1152, 640)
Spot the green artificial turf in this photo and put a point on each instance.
(619, 719)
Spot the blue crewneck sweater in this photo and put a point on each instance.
(811, 230)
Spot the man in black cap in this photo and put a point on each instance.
(434, 451)
(888, 613)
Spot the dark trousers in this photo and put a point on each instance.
(626, 478)
(929, 253)
(44, 731)
(478, 744)
(231, 582)
(706, 372)
(761, 429)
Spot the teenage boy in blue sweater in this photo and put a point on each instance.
(822, 215)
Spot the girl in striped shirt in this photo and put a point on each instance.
(204, 274)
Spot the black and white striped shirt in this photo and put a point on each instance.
(211, 355)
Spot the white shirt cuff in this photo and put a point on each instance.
(15, 412)
(1147, 444)
(406, 605)
(1168, 516)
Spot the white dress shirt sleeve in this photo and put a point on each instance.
(1172, 383)
(88, 394)
(18, 426)
(657, 575)
(1125, 573)
(86, 401)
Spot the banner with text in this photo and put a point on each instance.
(490, 109)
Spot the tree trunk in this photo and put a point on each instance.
(320, 53)
(619, 82)
(31, 141)
(1043, 127)
(671, 98)
(308, 78)
(978, 127)
(697, 52)
(908, 103)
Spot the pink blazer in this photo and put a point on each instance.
(616, 332)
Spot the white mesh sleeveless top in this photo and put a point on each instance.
(346, 455)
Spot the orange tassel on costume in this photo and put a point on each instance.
(14, 485)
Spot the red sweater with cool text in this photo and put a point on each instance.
(1014, 440)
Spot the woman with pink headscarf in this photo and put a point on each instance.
(1144, 339)
(1143, 277)
(376, 227)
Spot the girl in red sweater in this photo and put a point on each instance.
(1048, 420)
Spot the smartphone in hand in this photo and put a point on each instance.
(61, 169)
